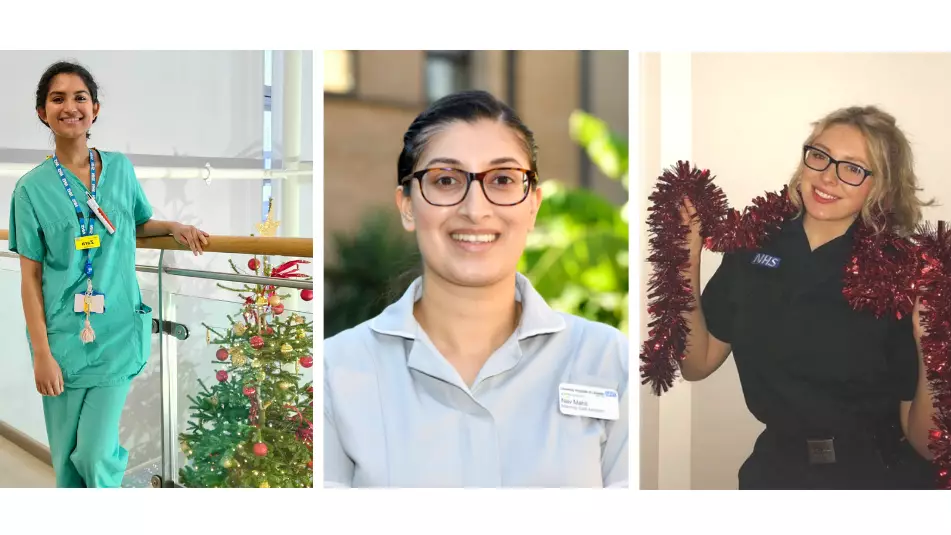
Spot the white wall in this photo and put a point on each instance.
(176, 103)
(750, 115)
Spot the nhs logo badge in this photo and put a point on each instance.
(765, 260)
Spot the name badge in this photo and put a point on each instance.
(96, 304)
(588, 401)
(87, 242)
(765, 260)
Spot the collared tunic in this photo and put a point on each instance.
(43, 228)
(397, 414)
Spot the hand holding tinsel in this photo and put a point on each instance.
(723, 230)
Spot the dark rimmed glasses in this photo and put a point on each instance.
(445, 186)
(852, 174)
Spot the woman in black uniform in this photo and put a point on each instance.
(843, 395)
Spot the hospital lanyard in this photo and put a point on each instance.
(79, 212)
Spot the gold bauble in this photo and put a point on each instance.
(261, 376)
(239, 360)
(240, 328)
(284, 385)
(286, 348)
(261, 301)
(301, 334)
(299, 320)
(274, 300)
(213, 400)
(256, 363)
(264, 485)
(227, 463)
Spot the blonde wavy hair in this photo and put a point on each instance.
(894, 183)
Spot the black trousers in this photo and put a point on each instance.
(781, 462)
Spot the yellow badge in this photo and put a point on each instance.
(87, 242)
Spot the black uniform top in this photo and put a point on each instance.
(807, 362)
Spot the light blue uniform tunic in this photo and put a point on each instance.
(397, 414)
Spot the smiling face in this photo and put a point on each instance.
(473, 243)
(824, 195)
(69, 109)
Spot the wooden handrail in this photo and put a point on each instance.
(254, 245)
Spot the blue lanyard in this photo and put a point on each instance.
(79, 211)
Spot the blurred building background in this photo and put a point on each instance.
(371, 97)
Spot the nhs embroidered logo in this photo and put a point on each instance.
(765, 260)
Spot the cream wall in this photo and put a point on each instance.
(749, 115)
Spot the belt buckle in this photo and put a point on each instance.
(821, 451)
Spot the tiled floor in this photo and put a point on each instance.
(19, 469)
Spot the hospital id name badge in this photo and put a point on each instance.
(97, 303)
(87, 242)
(588, 401)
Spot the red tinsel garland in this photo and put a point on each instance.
(885, 275)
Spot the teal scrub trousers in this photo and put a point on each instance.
(83, 429)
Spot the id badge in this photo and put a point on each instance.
(97, 303)
(588, 401)
(87, 242)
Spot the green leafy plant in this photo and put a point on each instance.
(373, 267)
(577, 257)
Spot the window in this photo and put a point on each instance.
(447, 71)
(266, 186)
(339, 71)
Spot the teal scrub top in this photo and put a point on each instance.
(43, 228)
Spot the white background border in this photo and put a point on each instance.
(636, 26)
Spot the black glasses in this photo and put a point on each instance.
(445, 186)
(852, 174)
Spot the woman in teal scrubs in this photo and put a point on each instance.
(88, 330)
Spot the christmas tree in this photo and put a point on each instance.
(254, 427)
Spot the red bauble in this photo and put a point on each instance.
(310, 463)
(250, 391)
(257, 342)
(307, 361)
(249, 300)
(254, 264)
(269, 330)
(260, 449)
(222, 376)
(310, 390)
(221, 354)
(306, 295)
(278, 309)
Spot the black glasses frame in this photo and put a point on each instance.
(531, 177)
(831, 161)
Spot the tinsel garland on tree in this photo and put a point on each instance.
(885, 275)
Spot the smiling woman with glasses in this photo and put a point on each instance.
(471, 379)
(843, 394)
